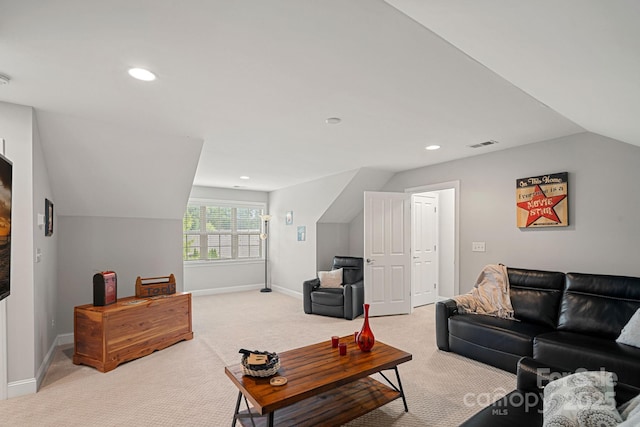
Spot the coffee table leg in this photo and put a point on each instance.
(270, 419)
(404, 399)
(397, 388)
(249, 414)
(235, 414)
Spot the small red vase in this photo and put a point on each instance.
(365, 339)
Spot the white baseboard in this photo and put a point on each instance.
(226, 290)
(32, 385)
(64, 339)
(287, 291)
(21, 387)
(244, 288)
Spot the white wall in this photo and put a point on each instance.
(131, 247)
(356, 235)
(294, 262)
(334, 241)
(16, 127)
(225, 276)
(46, 271)
(603, 205)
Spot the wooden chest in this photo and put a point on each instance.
(106, 336)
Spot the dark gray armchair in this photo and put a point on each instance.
(345, 301)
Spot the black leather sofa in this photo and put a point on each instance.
(346, 301)
(570, 320)
(523, 406)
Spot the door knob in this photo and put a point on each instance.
(369, 260)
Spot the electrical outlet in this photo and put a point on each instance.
(477, 247)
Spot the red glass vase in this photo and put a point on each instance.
(365, 339)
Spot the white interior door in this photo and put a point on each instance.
(387, 238)
(424, 248)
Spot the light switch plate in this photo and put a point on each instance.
(477, 247)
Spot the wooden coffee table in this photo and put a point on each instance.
(323, 388)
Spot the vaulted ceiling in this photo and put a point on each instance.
(244, 88)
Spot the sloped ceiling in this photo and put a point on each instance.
(115, 171)
(255, 80)
(579, 57)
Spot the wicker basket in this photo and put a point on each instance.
(261, 370)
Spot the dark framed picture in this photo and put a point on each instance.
(48, 217)
(6, 177)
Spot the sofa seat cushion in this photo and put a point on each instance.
(572, 351)
(504, 335)
(328, 296)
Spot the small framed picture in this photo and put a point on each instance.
(288, 218)
(302, 233)
(48, 217)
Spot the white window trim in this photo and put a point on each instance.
(224, 203)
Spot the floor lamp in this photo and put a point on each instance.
(266, 218)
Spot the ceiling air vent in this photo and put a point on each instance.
(484, 144)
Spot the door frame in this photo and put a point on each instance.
(455, 185)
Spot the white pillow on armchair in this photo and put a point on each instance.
(330, 279)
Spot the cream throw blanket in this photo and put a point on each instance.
(490, 295)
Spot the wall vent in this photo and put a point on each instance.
(484, 144)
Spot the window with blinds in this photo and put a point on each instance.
(221, 231)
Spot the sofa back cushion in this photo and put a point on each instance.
(535, 295)
(597, 304)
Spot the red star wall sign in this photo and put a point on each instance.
(542, 201)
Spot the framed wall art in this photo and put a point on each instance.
(288, 218)
(48, 217)
(542, 201)
(6, 189)
(302, 233)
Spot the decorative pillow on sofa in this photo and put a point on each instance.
(330, 279)
(630, 412)
(581, 399)
(630, 334)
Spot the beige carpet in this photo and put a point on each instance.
(185, 385)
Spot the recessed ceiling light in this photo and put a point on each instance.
(244, 177)
(432, 147)
(333, 120)
(142, 74)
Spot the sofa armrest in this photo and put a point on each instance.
(534, 376)
(444, 310)
(307, 287)
(353, 300)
